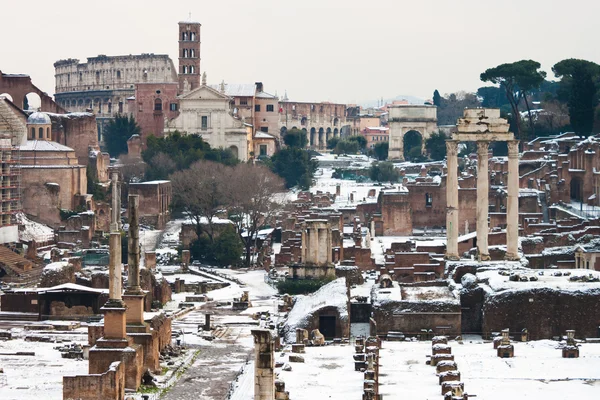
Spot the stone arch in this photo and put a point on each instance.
(336, 133)
(303, 121)
(576, 188)
(412, 139)
(234, 150)
(328, 135)
(321, 138)
(313, 137)
(32, 101)
(336, 121)
(283, 131)
(7, 96)
(405, 118)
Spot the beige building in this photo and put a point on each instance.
(51, 176)
(208, 112)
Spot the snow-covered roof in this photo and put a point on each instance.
(265, 95)
(331, 295)
(263, 135)
(43, 145)
(39, 118)
(71, 286)
(237, 89)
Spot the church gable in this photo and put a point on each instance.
(204, 93)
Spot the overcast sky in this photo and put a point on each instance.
(343, 51)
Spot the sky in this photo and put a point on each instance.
(343, 51)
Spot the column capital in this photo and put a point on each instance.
(513, 148)
(451, 147)
(483, 147)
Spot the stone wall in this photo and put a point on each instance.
(544, 312)
(109, 385)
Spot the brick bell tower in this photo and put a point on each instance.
(189, 56)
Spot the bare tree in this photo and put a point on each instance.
(201, 191)
(254, 201)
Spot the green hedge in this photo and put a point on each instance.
(301, 286)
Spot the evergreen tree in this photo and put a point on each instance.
(578, 87)
(436, 146)
(380, 150)
(295, 166)
(117, 132)
(384, 172)
(437, 99)
(295, 138)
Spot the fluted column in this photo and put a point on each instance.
(452, 200)
(512, 207)
(482, 200)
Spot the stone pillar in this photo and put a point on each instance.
(512, 207)
(313, 238)
(114, 266)
(264, 375)
(482, 200)
(133, 247)
(328, 244)
(134, 295)
(452, 200)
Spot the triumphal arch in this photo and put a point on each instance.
(404, 119)
(482, 125)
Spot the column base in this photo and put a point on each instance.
(512, 257)
(484, 257)
(452, 257)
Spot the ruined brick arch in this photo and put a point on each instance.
(18, 86)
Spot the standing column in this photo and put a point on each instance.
(482, 201)
(452, 200)
(133, 248)
(114, 267)
(512, 207)
(329, 240)
(314, 243)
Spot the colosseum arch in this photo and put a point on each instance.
(407, 118)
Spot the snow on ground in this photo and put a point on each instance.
(39, 376)
(546, 279)
(188, 278)
(33, 230)
(537, 371)
(325, 183)
(327, 373)
(380, 244)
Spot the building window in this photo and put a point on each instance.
(184, 36)
(120, 107)
(185, 53)
(257, 108)
(264, 129)
(32, 133)
(173, 107)
(428, 200)
(109, 108)
(263, 150)
(192, 53)
(204, 122)
(243, 101)
(270, 108)
(587, 265)
(97, 77)
(184, 69)
(191, 69)
(158, 105)
(118, 74)
(140, 107)
(41, 133)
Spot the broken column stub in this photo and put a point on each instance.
(264, 376)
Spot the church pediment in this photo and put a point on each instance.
(204, 92)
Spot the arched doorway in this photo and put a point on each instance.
(313, 137)
(234, 151)
(413, 143)
(576, 189)
(336, 132)
(328, 135)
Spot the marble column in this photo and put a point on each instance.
(313, 237)
(482, 200)
(512, 207)
(452, 200)
(133, 247)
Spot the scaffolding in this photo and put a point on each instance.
(10, 180)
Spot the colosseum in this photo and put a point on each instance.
(104, 83)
